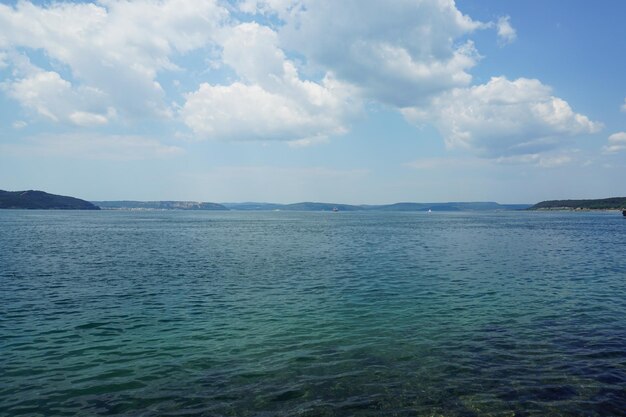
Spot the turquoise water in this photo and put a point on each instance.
(312, 314)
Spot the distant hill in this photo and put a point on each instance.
(252, 206)
(451, 206)
(613, 203)
(305, 206)
(158, 205)
(34, 200)
(309, 206)
(41, 200)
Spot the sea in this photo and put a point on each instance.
(204, 313)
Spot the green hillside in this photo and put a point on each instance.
(34, 200)
(613, 203)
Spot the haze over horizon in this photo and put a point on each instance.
(287, 101)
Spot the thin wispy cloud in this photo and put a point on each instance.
(92, 147)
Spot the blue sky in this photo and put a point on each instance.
(301, 100)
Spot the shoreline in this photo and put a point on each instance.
(618, 210)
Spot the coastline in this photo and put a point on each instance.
(577, 209)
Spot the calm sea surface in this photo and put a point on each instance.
(180, 313)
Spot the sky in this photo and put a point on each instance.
(351, 101)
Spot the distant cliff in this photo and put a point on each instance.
(158, 205)
(43, 201)
(613, 203)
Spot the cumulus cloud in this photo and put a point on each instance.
(506, 32)
(271, 102)
(617, 143)
(40, 92)
(114, 51)
(248, 112)
(47, 94)
(299, 76)
(400, 56)
(116, 47)
(503, 118)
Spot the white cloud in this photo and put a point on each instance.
(506, 32)
(19, 124)
(82, 118)
(40, 92)
(617, 143)
(543, 160)
(278, 7)
(243, 112)
(397, 56)
(54, 98)
(305, 143)
(116, 47)
(271, 102)
(300, 77)
(623, 108)
(537, 159)
(503, 118)
(252, 51)
(107, 147)
(249, 112)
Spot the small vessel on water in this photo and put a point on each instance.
(335, 209)
(624, 213)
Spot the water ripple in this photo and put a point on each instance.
(312, 314)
